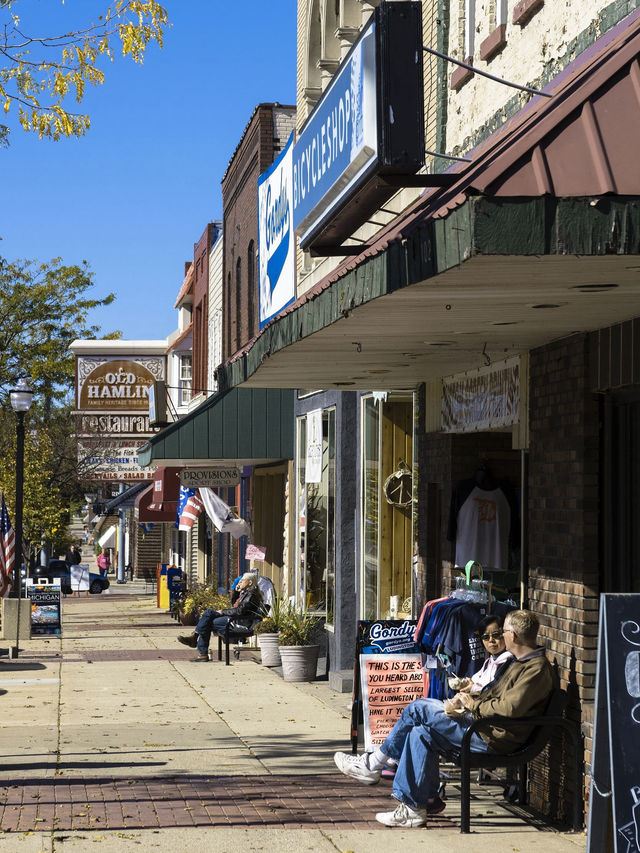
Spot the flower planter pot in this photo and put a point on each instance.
(187, 618)
(299, 663)
(269, 648)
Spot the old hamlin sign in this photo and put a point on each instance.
(116, 384)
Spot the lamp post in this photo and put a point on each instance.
(20, 397)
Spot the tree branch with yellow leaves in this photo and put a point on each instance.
(40, 74)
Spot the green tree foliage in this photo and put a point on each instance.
(40, 72)
(43, 308)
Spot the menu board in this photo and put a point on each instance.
(615, 772)
(389, 683)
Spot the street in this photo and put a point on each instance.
(112, 735)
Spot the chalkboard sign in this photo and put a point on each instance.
(615, 772)
(377, 636)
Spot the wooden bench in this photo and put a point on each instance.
(545, 726)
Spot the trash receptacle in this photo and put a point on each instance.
(163, 589)
(174, 584)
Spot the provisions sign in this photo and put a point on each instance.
(389, 683)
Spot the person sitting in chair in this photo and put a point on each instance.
(425, 728)
(247, 608)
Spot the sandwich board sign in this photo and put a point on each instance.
(615, 771)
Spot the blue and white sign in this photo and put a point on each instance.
(276, 243)
(339, 144)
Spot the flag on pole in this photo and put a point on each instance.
(7, 552)
(221, 515)
(189, 508)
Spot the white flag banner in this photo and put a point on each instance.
(220, 514)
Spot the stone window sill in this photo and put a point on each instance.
(461, 75)
(525, 9)
(494, 43)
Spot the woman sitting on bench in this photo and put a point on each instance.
(248, 607)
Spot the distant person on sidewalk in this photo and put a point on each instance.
(426, 728)
(74, 556)
(248, 607)
(104, 562)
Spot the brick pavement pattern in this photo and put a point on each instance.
(280, 801)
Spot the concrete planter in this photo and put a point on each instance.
(299, 663)
(269, 648)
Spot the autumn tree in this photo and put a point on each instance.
(40, 73)
(43, 308)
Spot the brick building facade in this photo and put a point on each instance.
(264, 137)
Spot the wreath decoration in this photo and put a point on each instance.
(398, 487)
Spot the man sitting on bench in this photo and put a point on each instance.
(425, 729)
(247, 607)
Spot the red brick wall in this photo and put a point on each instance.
(256, 151)
(564, 537)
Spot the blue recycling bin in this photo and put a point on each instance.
(175, 577)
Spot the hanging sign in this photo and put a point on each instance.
(486, 398)
(313, 467)
(213, 477)
(276, 243)
(615, 771)
(388, 684)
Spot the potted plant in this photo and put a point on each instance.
(198, 599)
(298, 651)
(267, 633)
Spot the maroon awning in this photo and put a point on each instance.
(159, 501)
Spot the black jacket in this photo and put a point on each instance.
(248, 607)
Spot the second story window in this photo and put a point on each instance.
(184, 380)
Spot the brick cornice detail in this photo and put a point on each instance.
(461, 75)
(524, 10)
(494, 43)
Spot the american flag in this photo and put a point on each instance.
(7, 552)
(189, 508)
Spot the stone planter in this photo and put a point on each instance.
(299, 663)
(188, 618)
(269, 648)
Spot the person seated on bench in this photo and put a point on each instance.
(247, 608)
(498, 659)
(425, 729)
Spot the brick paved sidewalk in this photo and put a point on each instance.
(285, 802)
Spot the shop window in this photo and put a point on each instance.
(315, 529)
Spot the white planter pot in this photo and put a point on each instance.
(299, 663)
(269, 648)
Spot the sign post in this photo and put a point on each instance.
(615, 770)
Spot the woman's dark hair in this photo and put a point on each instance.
(483, 624)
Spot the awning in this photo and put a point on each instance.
(166, 490)
(108, 538)
(536, 239)
(243, 426)
(144, 513)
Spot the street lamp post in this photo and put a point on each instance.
(21, 397)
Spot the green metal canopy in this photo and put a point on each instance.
(245, 426)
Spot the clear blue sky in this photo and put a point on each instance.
(133, 195)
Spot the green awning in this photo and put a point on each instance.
(244, 426)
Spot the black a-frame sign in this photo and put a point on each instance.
(615, 768)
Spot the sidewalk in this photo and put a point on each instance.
(113, 735)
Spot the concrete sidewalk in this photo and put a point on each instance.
(113, 735)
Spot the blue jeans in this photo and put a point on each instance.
(211, 620)
(422, 731)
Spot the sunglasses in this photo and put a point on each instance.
(494, 635)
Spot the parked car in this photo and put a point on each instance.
(60, 570)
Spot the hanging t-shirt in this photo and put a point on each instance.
(480, 523)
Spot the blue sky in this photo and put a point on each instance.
(134, 194)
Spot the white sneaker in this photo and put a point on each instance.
(356, 767)
(404, 815)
